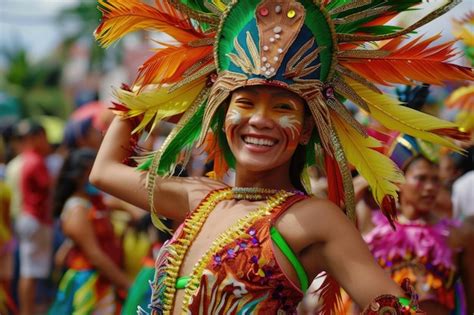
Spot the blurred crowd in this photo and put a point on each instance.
(63, 242)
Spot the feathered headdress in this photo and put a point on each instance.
(325, 51)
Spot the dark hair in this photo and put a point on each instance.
(27, 127)
(75, 167)
(463, 162)
(297, 165)
(414, 97)
(76, 130)
(414, 159)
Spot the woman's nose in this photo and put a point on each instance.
(261, 119)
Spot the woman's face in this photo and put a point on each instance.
(421, 185)
(263, 126)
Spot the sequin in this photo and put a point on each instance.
(278, 9)
(277, 29)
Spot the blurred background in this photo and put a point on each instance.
(54, 73)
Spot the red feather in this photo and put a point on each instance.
(330, 299)
(334, 178)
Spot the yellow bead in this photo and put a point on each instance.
(291, 14)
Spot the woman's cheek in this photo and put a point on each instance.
(292, 128)
(232, 120)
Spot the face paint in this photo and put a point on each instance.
(291, 125)
(233, 117)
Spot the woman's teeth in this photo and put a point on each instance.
(259, 141)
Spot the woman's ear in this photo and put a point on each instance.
(307, 130)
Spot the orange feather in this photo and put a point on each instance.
(215, 154)
(121, 17)
(412, 61)
(169, 64)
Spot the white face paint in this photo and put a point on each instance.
(290, 123)
(234, 117)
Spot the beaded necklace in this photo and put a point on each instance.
(191, 228)
(256, 193)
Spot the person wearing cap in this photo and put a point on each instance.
(34, 223)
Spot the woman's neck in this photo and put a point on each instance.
(410, 213)
(277, 178)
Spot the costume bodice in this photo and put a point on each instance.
(241, 274)
(419, 252)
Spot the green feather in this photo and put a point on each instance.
(145, 165)
(183, 141)
(238, 16)
(218, 124)
(379, 29)
(316, 21)
(195, 5)
(397, 6)
(310, 151)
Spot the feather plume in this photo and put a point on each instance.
(215, 154)
(389, 113)
(329, 295)
(334, 178)
(169, 64)
(462, 98)
(381, 173)
(158, 104)
(121, 17)
(413, 61)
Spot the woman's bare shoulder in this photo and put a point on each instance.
(312, 218)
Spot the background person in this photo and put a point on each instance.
(94, 262)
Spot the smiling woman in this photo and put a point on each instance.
(268, 104)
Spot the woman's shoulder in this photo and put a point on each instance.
(313, 215)
(74, 203)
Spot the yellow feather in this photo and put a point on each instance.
(159, 103)
(392, 115)
(381, 173)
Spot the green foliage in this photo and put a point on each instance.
(36, 86)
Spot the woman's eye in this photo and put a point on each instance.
(244, 103)
(284, 106)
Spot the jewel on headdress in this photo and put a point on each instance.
(291, 14)
(263, 11)
(329, 92)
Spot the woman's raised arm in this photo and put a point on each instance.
(111, 175)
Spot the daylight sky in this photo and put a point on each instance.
(31, 23)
